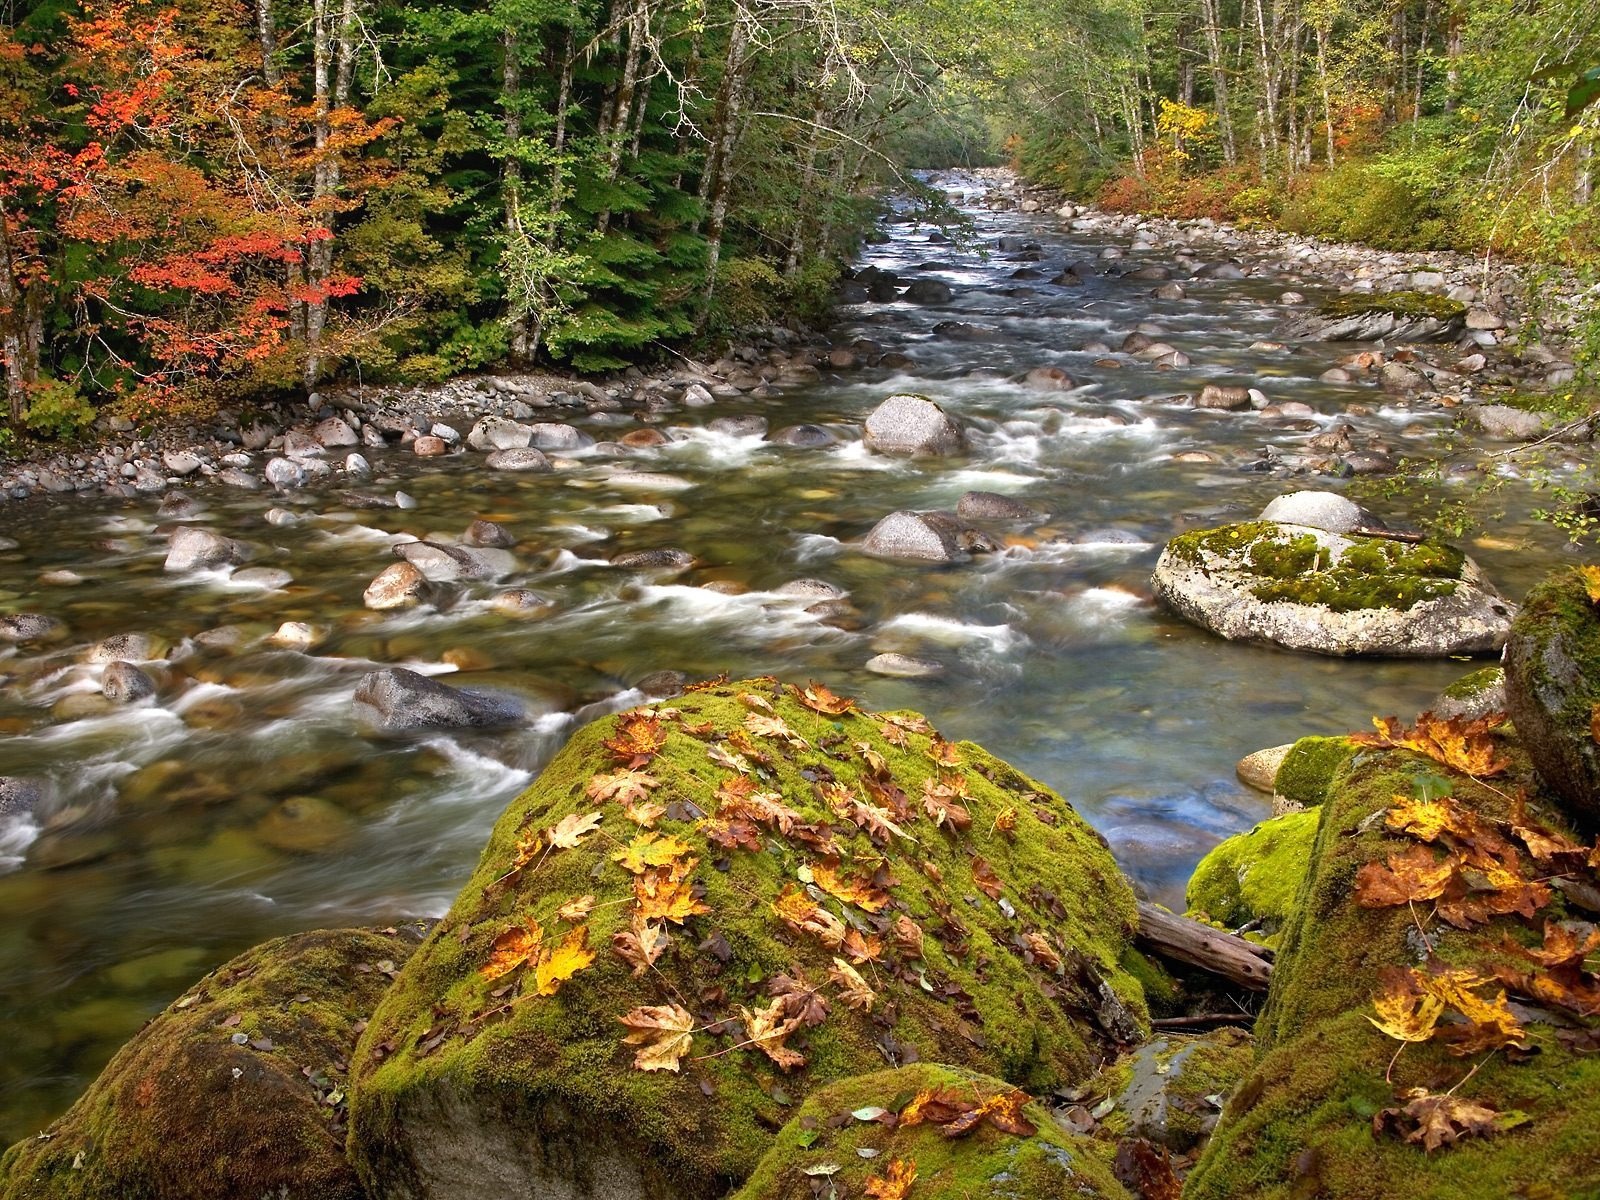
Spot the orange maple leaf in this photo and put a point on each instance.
(894, 1183)
(819, 699)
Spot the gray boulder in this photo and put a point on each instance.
(925, 537)
(442, 563)
(1228, 399)
(489, 533)
(19, 796)
(127, 647)
(1328, 593)
(527, 459)
(1321, 510)
(395, 700)
(908, 424)
(124, 683)
(399, 585)
(1507, 423)
(553, 435)
(903, 666)
(498, 433)
(992, 506)
(808, 437)
(335, 432)
(27, 627)
(285, 473)
(192, 549)
(929, 291)
(663, 558)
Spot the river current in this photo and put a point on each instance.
(241, 802)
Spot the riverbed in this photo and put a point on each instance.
(241, 801)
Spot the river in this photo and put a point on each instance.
(241, 802)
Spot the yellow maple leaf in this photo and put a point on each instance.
(1423, 819)
(638, 738)
(566, 833)
(513, 948)
(650, 850)
(664, 1033)
(665, 893)
(624, 786)
(774, 727)
(854, 991)
(768, 1029)
(564, 961)
(576, 910)
(894, 1183)
(1591, 582)
(826, 876)
(1405, 1013)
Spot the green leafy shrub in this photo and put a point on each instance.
(56, 409)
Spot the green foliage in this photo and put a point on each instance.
(56, 409)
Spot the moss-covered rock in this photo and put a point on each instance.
(1369, 316)
(1171, 1090)
(994, 945)
(824, 1142)
(1329, 593)
(1301, 1124)
(1400, 304)
(1255, 877)
(235, 1090)
(1310, 768)
(1475, 695)
(1552, 682)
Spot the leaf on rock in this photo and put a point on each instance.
(760, 703)
(895, 1183)
(852, 891)
(1043, 952)
(728, 760)
(566, 833)
(640, 944)
(1006, 821)
(768, 1029)
(985, 879)
(935, 1106)
(1433, 1120)
(939, 801)
(876, 763)
(908, 936)
(1460, 743)
(776, 728)
(1405, 1012)
(649, 850)
(1410, 875)
(626, 787)
(819, 699)
(564, 961)
(944, 752)
(664, 893)
(638, 738)
(801, 998)
(513, 948)
(664, 1033)
(854, 992)
(1591, 581)
(1423, 819)
(576, 910)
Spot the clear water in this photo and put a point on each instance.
(169, 845)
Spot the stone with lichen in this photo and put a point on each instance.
(991, 941)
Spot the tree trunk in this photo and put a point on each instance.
(333, 75)
(21, 327)
(619, 120)
(1455, 26)
(719, 165)
(1322, 82)
(1219, 80)
(1583, 173)
(511, 171)
(808, 179)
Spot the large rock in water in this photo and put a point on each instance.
(924, 537)
(1329, 593)
(395, 700)
(1552, 687)
(824, 1141)
(765, 860)
(236, 1089)
(1368, 317)
(191, 549)
(907, 424)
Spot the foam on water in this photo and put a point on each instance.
(948, 631)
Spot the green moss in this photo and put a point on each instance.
(1301, 1124)
(1162, 993)
(1400, 304)
(1255, 876)
(1475, 683)
(1305, 568)
(186, 1112)
(976, 999)
(1168, 1090)
(1310, 767)
(984, 1165)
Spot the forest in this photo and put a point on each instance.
(205, 202)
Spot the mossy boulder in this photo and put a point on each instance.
(991, 941)
(1172, 1089)
(236, 1089)
(819, 1153)
(1475, 695)
(1255, 877)
(1367, 317)
(1552, 687)
(1309, 769)
(1301, 1123)
(1329, 593)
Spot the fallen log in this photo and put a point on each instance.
(1199, 945)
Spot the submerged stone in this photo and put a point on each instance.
(236, 1089)
(790, 844)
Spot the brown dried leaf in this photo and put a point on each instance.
(624, 786)
(854, 991)
(1432, 1120)
(640, 944)
(664, 1033)
(638, 738)
(768, 1029)
(513, 948)
(1460, 743)
(819, 699)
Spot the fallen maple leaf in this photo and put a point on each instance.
(640, 944)
(576, 910)
(908, 936)
(624, 786)
(732, 762)
(894, 1183)
(1043, 952)
(1405, 1012)
(513, 948)
(564, 961)
(664, 1033)
(768, 1028)
(984, 878)
(649, 850)
(819, 699)
(1460, 743)
(935, 1106)
(939, 802)
(1590, 575)
(910, 722)
(1006, 820)
(1410, 875)
(1003, 1110)
(566, 833)
(1434, 1120)
(1423, 819)
(665, 893)
(826, 876)
(775, 727)
(895, 735)
(801, 998)
(854, 992)
(759, 703)
(944, 752)
(638, 738)
(876, 763)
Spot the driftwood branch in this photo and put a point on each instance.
(1235, 959)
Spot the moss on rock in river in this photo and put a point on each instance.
(1310, 767)
(235, 1090)
(1019, 973)
(1255, 876)
(819, 1151)
(1301, 1123)
(1400, 304)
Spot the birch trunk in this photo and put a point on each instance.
(1219, 80)
(719, 167)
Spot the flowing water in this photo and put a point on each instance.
(243, 803)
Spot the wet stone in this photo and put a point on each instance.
(124, 683)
